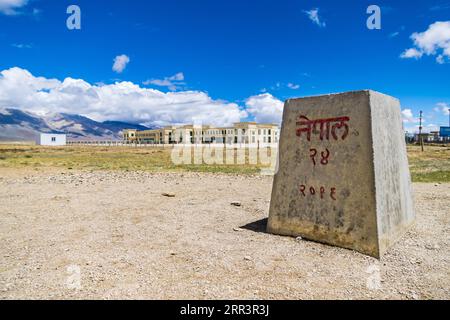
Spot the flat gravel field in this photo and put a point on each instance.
(67, 234)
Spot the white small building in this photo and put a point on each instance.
(51, 139)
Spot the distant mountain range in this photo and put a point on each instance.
(18, 125)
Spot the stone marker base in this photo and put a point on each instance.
(343, 176)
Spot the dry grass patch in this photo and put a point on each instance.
(433, 165)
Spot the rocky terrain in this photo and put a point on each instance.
(113, 235)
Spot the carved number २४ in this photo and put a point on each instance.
(324, 156)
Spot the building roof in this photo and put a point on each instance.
(205, 127)
(52, 134)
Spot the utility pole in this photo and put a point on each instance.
(420, 131)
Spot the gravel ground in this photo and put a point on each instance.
(113, 235)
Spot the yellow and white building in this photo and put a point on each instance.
(242, 132)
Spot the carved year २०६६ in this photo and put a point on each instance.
(322, 192)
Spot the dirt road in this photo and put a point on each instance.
(112, 235)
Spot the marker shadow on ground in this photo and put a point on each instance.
(256, 226)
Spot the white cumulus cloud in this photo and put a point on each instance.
(265, 108)
(10, 7)
(435, 41)
(123, 101)
(412, 53)
(120, 63)
(407, 116)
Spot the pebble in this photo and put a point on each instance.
(169, 195)
(236, 203)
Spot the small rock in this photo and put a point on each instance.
(237, 229)
(169, 195)
(413, 295)
(432, 247)
(236, 203)
(298, 239)
(247, 258)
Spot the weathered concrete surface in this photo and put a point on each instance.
(346, 181)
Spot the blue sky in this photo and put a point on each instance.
(243, 56)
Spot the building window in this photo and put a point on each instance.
(259, 131)
(270, 132)
(53, 139)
